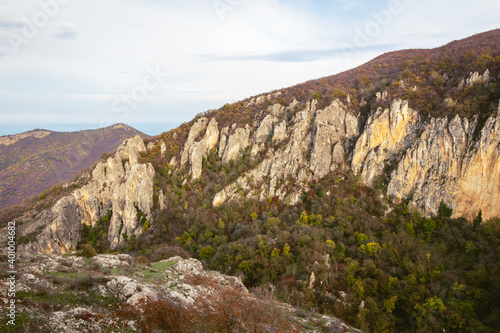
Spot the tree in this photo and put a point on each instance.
(478, 220)
(444, 210)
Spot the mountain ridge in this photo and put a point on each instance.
(371, 197)
(58, 155)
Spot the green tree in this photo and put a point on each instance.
(478, 220)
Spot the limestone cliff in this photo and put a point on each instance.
(315, 147)
(120, 184)
(447, 164)
(383, 136)
(432, 161)
(194, 151)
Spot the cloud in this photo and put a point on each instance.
(64, 30)
(260, 45)
(94, 97)
(300, 55)
(8, 23)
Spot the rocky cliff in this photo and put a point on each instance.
(433, 161)
(120, 185)
(430, 138)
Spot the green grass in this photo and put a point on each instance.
(163, 265)
(66, 276)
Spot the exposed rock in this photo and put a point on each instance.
(163, 149)
(449, 102)
(381, 96)
(237, 141)
(117, 184)
(330, 133)
(474, 78)
(161, 200)
(279, 132)
(173, 162)
(477, 78)
(312, 280)
(186, 266)
(223, 140)
(263, 133)
(331, 128)
(194, 152)
(194, 132)
(289, 160)
(446, 165)
(112, 261)
(384, 135)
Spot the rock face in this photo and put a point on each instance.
(432, 161)
(326, 131)
(384, 134)
(237, 141)
(194, 151)
(447, 164)
(119, 185)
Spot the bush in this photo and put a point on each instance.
(87, 251)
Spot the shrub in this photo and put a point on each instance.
(87, 251)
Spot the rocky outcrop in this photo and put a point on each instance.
(120, 185)
(261, 99)
(386, 132)
(326, 130)
(430, 162)
(237, 141)
(475, 78)
(448, 165)
(266, 129)
(194, 152)
(332, 126)
(71, 280)
(12, 139)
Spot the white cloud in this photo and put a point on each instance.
(64, 30)
(261, 45)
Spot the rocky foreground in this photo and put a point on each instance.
(76, 294)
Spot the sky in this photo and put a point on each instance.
(68, 65)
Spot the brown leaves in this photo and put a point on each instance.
(217, 309)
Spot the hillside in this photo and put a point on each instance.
(92, 287)
(370, 195)
(32, 162)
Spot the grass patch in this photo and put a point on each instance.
(163, 265)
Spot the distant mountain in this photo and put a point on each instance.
(32, 162)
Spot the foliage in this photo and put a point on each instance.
(220, 309)
(395, 263)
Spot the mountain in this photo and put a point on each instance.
(370, 195)
(34, 161)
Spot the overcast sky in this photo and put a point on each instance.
(78, 64)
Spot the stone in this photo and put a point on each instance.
(237, 142)
(112, 261)
(163, 149)
(383, 136)
(194, 152)
(116, 184)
